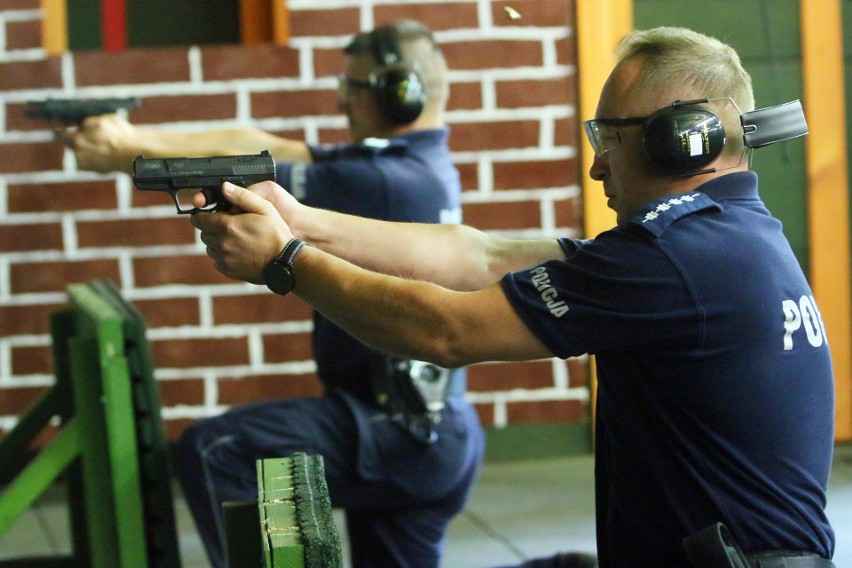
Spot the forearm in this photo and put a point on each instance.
(455, 256)
(225, 142)
(412, 318)
(109, 143)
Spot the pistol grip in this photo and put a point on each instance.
(214, 200)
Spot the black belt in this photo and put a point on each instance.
(788, 559)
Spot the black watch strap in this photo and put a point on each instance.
(288, 254)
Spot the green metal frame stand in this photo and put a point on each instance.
(110, 450)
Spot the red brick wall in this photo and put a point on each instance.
(217, 342)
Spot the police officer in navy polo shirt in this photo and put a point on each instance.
(399, 459)
(715, 402)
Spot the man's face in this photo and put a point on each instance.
(628, 179)
(357, 100)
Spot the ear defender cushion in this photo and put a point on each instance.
(400, 93)
(677, 139)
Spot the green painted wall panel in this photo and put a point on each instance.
(182, 22)
(158, 23)
(740, 23)
(781, 167)
(537, 441)
(84, 24)
(846, 9)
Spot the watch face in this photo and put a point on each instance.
(278, 278)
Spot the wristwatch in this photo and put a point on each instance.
(278, 274)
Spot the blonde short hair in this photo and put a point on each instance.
(701, 65)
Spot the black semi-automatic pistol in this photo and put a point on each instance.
(182, 178)
(75, 111)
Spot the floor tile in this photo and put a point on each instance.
(517, 510)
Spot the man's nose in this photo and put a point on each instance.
(599, 169)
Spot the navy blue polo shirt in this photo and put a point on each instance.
(407, 178)
(715, 398)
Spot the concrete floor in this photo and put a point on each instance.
(518, 510)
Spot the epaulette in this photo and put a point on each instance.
(658, 216)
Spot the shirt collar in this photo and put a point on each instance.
(657, 216)
(736, 185)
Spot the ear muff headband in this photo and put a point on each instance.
(681, 138)
(400, 92)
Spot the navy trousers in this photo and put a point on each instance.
(562, 560)
(398, 494)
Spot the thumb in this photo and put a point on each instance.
(246, 200)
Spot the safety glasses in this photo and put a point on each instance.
(603, 133)
(345, 84)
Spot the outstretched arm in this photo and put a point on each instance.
(411, 318)
(455, 256)
(109, 143)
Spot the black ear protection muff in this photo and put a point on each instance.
(682, 138)
(401, 94)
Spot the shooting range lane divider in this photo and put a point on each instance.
(109, 450)
(291, 524)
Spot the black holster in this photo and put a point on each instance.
(715, 547)
(415, 392)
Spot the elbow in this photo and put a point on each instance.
(447, 358)
(448, 348)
